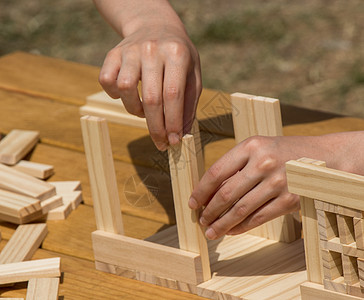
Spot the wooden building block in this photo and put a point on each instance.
(23, 243)
(43, 289)
(332, 264)
(16, 145)
(113, 110)
(184, 177)
(51, 203)
(327, 225)
(349, 212)
(100, 164)
(60, 212)
(337, 285)
(350, 269)
(23, 271)
(152, 258)
(356, 290)
(75, 198)
(314, 291)
(38, 170)
(346, 229)
(327, 207)
(18, 209)
(18, 182)
(359, 232)
(66, 186)
(360, 262)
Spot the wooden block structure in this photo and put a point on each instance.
(332, 212)
(234, 267)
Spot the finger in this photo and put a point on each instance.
(251, 201)
(281, 205)
(109, 73)
(127, 83)
(152, 84)
(175, 76)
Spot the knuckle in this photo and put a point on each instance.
(254, 143)
(177, 49)
(241, 210)
(225, 195)
(267, 163)
(126, 83)
(290, 201)
(258, 219)
(149, 47)
(106, 79)
(278, 181)
(214, 173)
(152, 98)
(172, 93)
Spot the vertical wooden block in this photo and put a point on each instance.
(350, 269)
(43, 289)
(195, 131)
(100, 164)
(359, 232)
(346, 229)
(327, 225)
(184, 176)
(16, 145)
(360, 262)
(332, 264)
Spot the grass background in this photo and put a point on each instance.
(307, 53)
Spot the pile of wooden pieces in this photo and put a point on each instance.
(24, 195)
(43, 275)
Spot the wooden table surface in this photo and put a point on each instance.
(41, 93)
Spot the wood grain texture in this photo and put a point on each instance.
(23, 271)
(75, 198)
(350, 269)
(23, 243)
(332, 264)
(346, 229)
(16, 145)
(60, 212)
(43, 289)
(185, 176)
(38, 170)
(359, 232)
(361, 271)
(51, 203)
(66, 186)
(327, 225)
(314, 291)
(32, 187)
(102, 174)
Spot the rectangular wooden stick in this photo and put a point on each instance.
(23, 271)
(100, 164)
(66, 186)
(51, 203)
(16, 145)
(23, 243)
(184, 176)
(43, 289)
(18, 182)
(38, 170)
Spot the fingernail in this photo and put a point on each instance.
(210, 234)
(192, 203)
(161, 146)
(173, 138)
(203, 221)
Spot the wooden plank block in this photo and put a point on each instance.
(177, 264)
(349, 212)
(337, 285)
(360, 262)
(16, 145)
(102, 174)
(359, 232)
(66, 186)
(356, 290)
(327, 225)
(314, 291)
(332, 264)
(184, 177)
(23, 243)
(38, 170)
(51, 203)
(75, 198)
(18, 182)
(23, 271)
(346, 229)
(60, 212)
(43, 289)
(17, 208)
(195, 131)
(350, 269)
(328, 207)
(329, 185)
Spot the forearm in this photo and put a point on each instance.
(127, 16)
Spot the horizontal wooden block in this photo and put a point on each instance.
(328, 207)
(60, 213)
(329, 185)
(75, 198)
(337, 285)
(176, 264)
(51, 203)
(66, 186)
(356, 290)
(23, 243)
(23, 271)
(16, 145)
(314, 291)
(43, 289)
(18, 209)
(18, 182)
(332, 245)
(38, 170)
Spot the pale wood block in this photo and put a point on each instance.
(195, 131)
(329, 185)
(43, 289)
(350, 269)
(332, 245)
(346, 229)
(16, 145)
(75, 198)
(184, 177)
(21, 183)
(349, 212)
(17, 208)
(60, 213)
(337, 285)
(327, 225)
(23, 243)
(332, 264)
(23, 271)
(328, 207)
(66, 186)
(103, 183)
(314, 291)
(51, 203)
(359, 232)
(360, 262)
(102, 105)
(177, 264)
(356, 290)
(38, 170)
(109, 268)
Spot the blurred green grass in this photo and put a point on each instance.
(305, 53)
